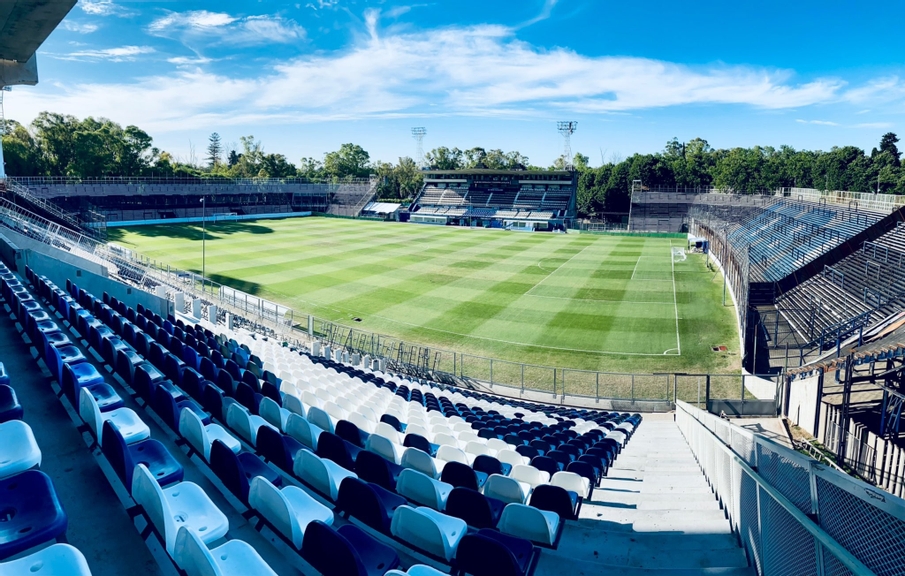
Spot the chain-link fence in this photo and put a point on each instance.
(792, 514)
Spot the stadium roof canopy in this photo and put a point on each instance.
(24, 26)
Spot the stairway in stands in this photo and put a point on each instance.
(653, 514)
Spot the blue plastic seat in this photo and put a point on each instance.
(348, 551)
(85, 375)
(168, 407)
(351, 433)
(64, 355)
(492, 553)
(31, 512)
(332, 447)
(462, 475)
(490, 465)
(563, 502)
(123, 458)
(277, 448)
(376, 469)
(368, 503)
(127, 361)
(421, 443)
(237, 470)
(10, 408)
(477, 510)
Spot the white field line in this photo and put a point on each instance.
(544, 279)
(635, 269)
(675, 300)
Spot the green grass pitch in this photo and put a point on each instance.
(591, 302)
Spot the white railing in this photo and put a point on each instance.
(886, 203)
(792, 514)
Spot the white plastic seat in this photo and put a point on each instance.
(292, 403)
(235, 558)
(446, 440)
(423, 489)
(478, 449)
(289, 510)
(468, 436)
(529, 523)
(571, 481)
(428, 530)
(273, 413)
(19, 451)
(368, 412)
(618, 436)
(452, 454)
(388, 432)
(305, 432)
(421, 461)
(56, 560)
(506, 489)
(244, 423)
(529, 475)
(183, 504)
(335, 411)
(417, 570)
(512, 457)
(311, 399)
(496, 445)
(320, 418)
(361, 422)
(324, 475)
(420, 430)
(325, 395)
(201, 437)
(390, 450)
(129, 424)
(346, 404)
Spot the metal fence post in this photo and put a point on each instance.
(523, 377)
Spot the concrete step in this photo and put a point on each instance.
(553, 564)
(675, 521)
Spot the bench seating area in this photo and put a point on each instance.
(527, 202)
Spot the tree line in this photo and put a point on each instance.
(62, 145)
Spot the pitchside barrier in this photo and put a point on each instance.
(792, 514)
(620, 391)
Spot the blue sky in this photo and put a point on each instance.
(305, 77)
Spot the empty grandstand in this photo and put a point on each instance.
(512, 199)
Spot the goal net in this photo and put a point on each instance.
(225, 217)
(678, 254)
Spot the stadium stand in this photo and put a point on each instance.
(516, 199)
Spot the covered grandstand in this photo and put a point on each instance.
(512, 199)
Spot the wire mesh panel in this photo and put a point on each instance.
(789, 549)
(749, 522)
(783, 473)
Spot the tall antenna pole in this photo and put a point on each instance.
(418, 134)
(567, 128)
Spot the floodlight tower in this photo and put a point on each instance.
(567, 128)
(2, 131)
(418, 134)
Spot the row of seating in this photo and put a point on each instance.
(262, 494)
(31, 514)
(179, 512)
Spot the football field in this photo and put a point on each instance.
(592, 302)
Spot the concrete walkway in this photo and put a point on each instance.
(653, 514)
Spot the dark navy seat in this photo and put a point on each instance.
(332, 447)
(168, 407)
(477, 510)
(490, 465)
(348, 551)
(462, 475)
(393, 421)
(368, 503)
(587, 470)
(10, 409)
(237, 470)
(31, 513)
(123, 458)
(351, 433)
(374, 468)
(421, 443)
(545, 464)
(277, 448)
(492, 553)
(555, 499)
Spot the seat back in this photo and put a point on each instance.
(228, 468)
(528, 522)
(117, 453)
(320, 418)
(451, 454)
(504, 488)
(413, 440)
(293, 404)
(332, 447)
(416, 459)
(361, 501)
(548, 465)
(480, 555)
(459, 475)
(571, 481)
(192, 429)
(529, 475)
(90, 413)
(388, 431)
(419, 487)
(553, 499)
(329, 552)
(270, 445)
(488, 464)
(470, 506)
(299, 428)
(419, 530)
(192, 555)
(149, 495)
(272, 504)
(239, 420)
(348, 432)
(373, 467)
(311, 469)
(270, 411)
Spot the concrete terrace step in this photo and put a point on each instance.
(551, 564)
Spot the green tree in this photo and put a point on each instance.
(350, 161)
(214, 149)
(444, 158)
(20, 151)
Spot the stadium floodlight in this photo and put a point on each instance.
(567, 128)
(418, 134)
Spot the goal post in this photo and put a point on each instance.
(678, 254)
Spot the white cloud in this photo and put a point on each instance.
(881, 125)
(119, 54)
(817, 122)
(545, 13)
(86, 28)
(217, 27)
(101, 8)
(477, 71)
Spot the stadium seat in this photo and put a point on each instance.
(416, 459)
(476, 509)
(556, 499)
(529, 475)
(573, 482)
(369, 503)
(234, 558)
(506, 489)
(423, 489)
(539, 526)
(279, 448)
(334, 448)
(346, 552)
(490, 465)
(457, 474)
(428, 530)
(169, 408)
(321, 419)
(10, 408)
(200, 436)
(132, 428)
(372, 467)
(273, 413)
(323, 475)
(299, 428)
(236, 470)
(244, 423)
(123, 458)
(181, 504)
(492, 553)
(31, 511)
(385, 447)
(288, 510)
(55, 560)
(18, 449)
